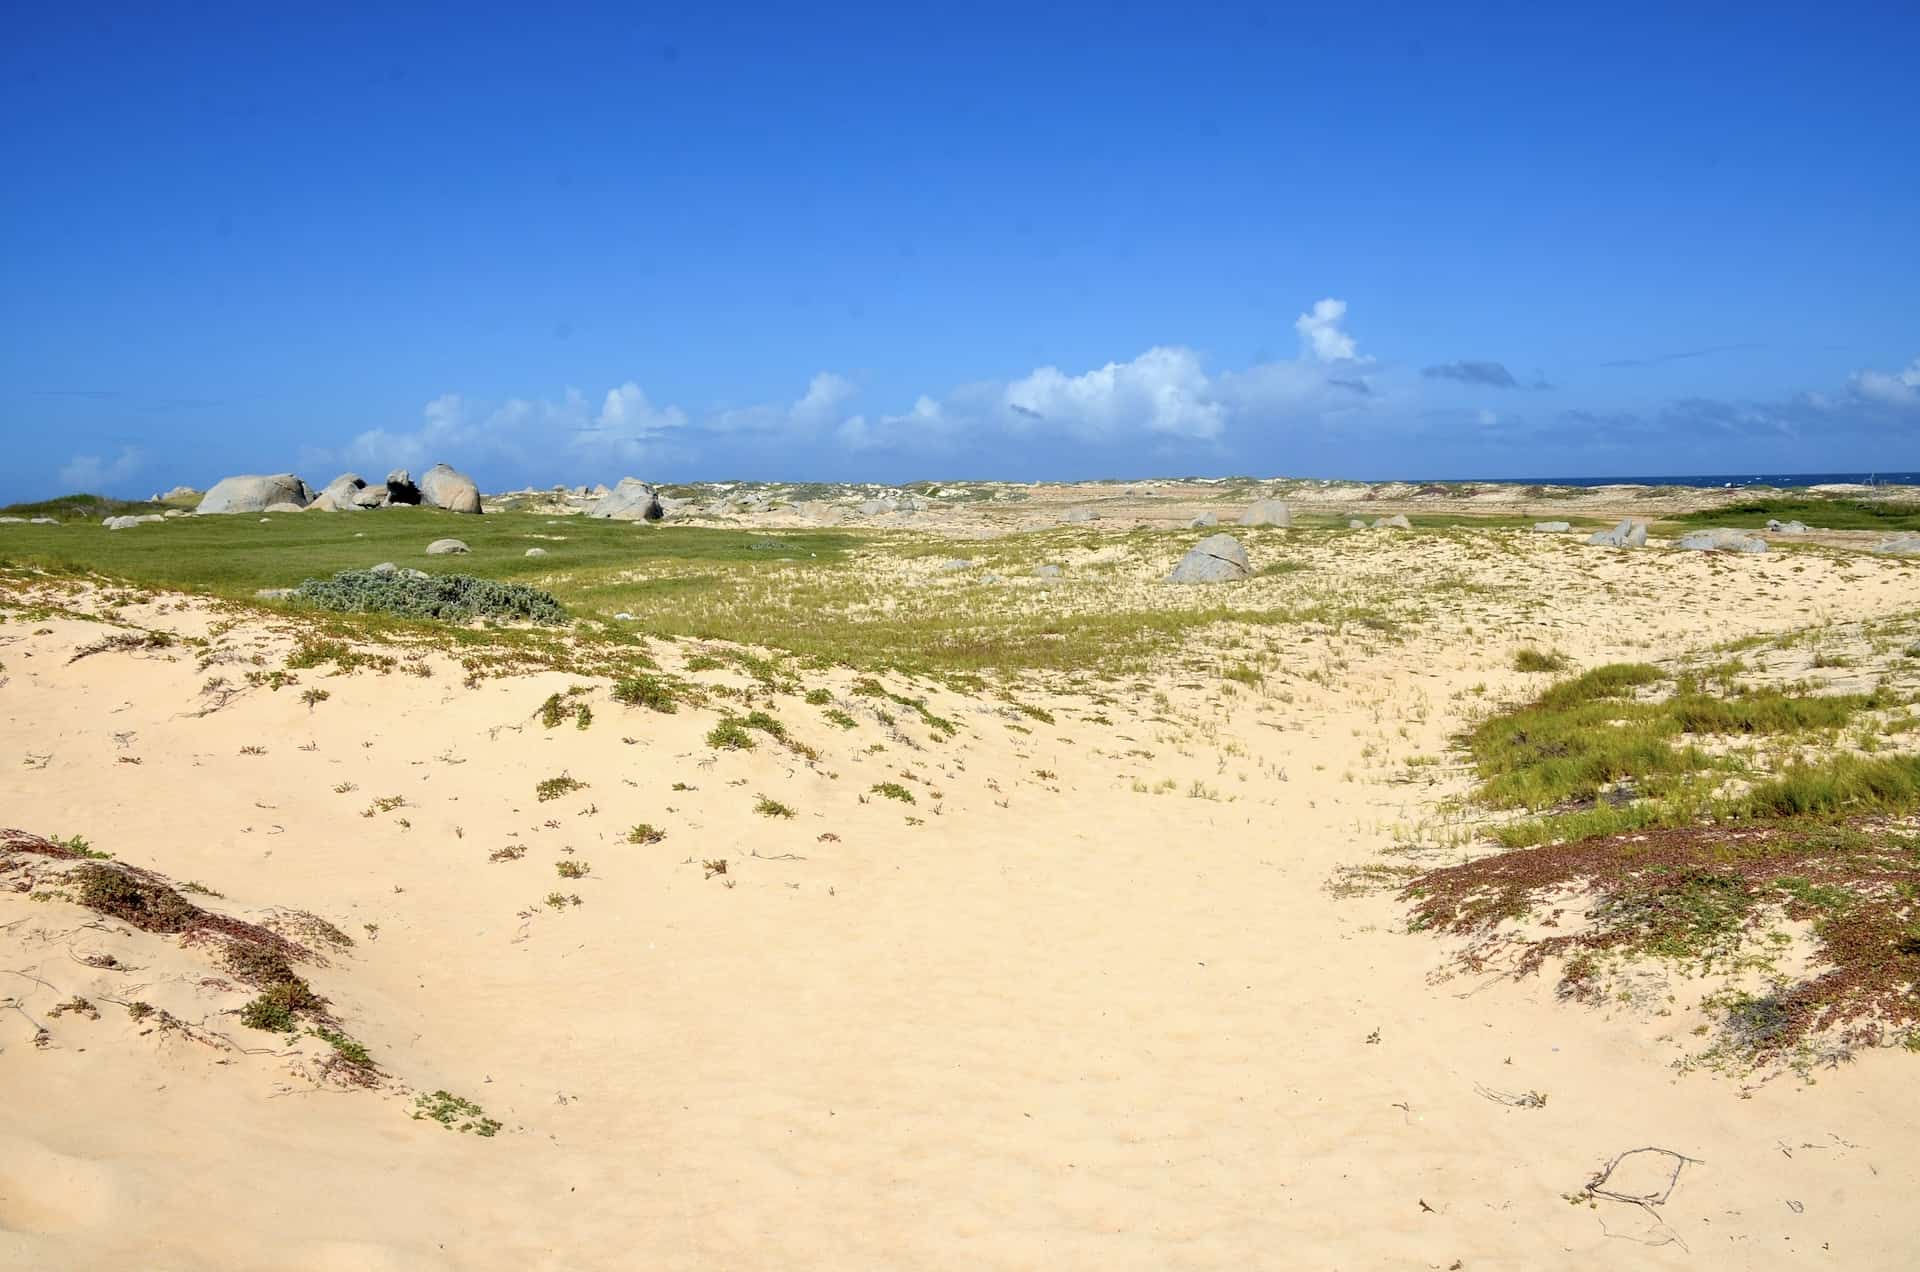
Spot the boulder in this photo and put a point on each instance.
(1204, 520)
(1721, 541)
(339, 494)
(400, 488)
(255, 494)
(372, 497)
(631, 500)
(171, 513)
(13, 521)
(44, 521)
(1355, 523)
(447, 547)
(444, 487)
(1551, 527)
(1901, 545)
(178, 492)
(1267, 512)
(1398, 521)
(121, 523)
(1786, 527)
(1075, 516)
(286, 507)
(1628, 534)
(536, 552)
(1216, 559)
(385, 567)
(1047, 571)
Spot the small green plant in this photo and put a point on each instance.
(561, 900)
(555, 787)
(645, 691)
(455, 1113)
(644, 833)
(729, 735)
(771, 808)
(453, 598)
(512, 852)
(893, 790)
(1531, 659)
(818, 697)
(841, 718)
(314, 697)
(567, 868)
(348, 1050)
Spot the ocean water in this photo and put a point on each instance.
(1783, 481)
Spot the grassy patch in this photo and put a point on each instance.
(1822, 514)
(1708, 897)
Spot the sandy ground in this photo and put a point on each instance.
(1066, 1010)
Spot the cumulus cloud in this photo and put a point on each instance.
(91, 473)
(1321, 335)
(1893, 388)
(1162, 391)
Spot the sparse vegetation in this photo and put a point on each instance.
(554, 788)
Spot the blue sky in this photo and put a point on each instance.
(1022, 241)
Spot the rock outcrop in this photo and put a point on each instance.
(1267, 512)
(255, 494)
(631, 500)
(1628, 534)
(445, 487)
(447, 547)
(1721, 541)
(1218, 558)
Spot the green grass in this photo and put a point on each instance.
(1533, 660)
(1818, 514)
(1622, 748)
(893, 790)
(82, 507)
(809, 594)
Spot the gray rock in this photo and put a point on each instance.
(1267, 512)
(1786, 527)
(1216, 559)
(121, 523)
(1901, 545)
(447, 547)
(1721, 541)
(1075, 516)
(13, 521)
(536, 552)
(1628, 534)
(1551, 527)
(1398, 521)
(444, 487)
(274, 593)
(411, 573)
(44, 521)
(956, 563)
(255, 494)
(1355, 523)
(339, 494)
(631, 500)
(286, 507)
(1047, 571)
(371, 497)
(171, 513)
(179, 492)
(400, 488)
(385, 567)
(1203, 521)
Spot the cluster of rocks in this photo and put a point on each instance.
(1721, 541)
(1785, 527)
(439, 487)
(1630, 533)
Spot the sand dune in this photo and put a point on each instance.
(1087, 1001)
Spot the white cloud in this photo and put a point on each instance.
(1320, 333)
(90, 473)
(826, 394)
(1487, 418)
(1895, 388)
(629, 424)
(1164, 390)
